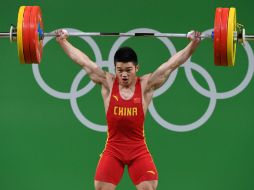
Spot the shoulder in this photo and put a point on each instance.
(107, 85)
(110, 78)
(144, 80)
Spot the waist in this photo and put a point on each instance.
(124, 150)
(122, 142)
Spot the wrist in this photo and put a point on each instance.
(61, 41)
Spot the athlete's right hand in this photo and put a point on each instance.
(194, 36)
(61, 35)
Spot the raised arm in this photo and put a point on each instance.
(96, 74)
(161, 74)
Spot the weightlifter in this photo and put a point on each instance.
(126, 98)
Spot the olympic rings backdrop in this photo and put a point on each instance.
(199, 126)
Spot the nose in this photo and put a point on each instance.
(124, 74)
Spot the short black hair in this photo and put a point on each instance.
(125, 54)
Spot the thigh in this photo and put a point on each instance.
(109, 169)
(143, 169)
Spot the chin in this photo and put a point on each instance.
(125, 83)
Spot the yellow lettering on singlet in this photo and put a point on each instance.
(125, 111)
(135, 111)
(115, 110)
(129, 111)
(120, 112)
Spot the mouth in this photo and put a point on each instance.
(124, 80)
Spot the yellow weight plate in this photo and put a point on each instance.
(20, 34)
(231, 43)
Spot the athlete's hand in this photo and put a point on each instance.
(194, 36)
(61, 35)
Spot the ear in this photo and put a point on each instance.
(137, 68)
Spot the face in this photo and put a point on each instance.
(126, 73)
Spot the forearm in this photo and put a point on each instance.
(75, 54)
(158, 77)
(178, 59)
(95, 73)
(181, 57)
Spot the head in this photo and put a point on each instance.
(126, 65)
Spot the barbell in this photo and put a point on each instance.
(29, 35)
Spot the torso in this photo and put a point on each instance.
(125, 118)
(127, 93)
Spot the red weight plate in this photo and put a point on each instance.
(32, 39)
(224, 36)
(40, 42)
(36, 44)
(25, 31)
(216, 40)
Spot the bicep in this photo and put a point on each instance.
(157, 78)
(96, 74)
(101, 77)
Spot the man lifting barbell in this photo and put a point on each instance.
(126, 97)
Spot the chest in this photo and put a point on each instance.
(127, 93)
(126, 105)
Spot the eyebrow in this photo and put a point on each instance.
(124, 68)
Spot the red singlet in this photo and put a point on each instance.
(126, 142)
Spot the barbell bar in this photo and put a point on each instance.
(127, 34)
(29, 35)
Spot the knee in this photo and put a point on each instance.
(103, 186)
(97, 186)
(147, 185)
